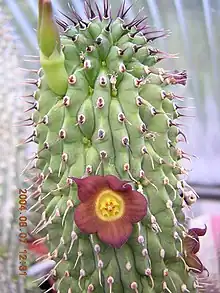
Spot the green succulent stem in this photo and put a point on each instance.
(104, 114)
(55, 72)
(51, 56)
(48, 33)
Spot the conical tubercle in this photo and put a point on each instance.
(51, 56)
(48, 33)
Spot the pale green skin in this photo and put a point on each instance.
(127, 264)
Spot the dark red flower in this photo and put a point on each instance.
(109, 207)
(191, 246)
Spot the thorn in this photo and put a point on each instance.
(98, 168)
(32, 56)
(34, 107)
(35, 205)
(30, 81)
(189, 155)
(73, 239)
(134, 34)
(79, 254)
(140, 21)
(184, 107)
(46, 147)
(103, 155)
(58, 284)
(29, 70)
(185, 116)
(100, 266)
(171, 123)
(158, 59)
(78, 17)
(27, 140)
(62, 23)
(156, 51)
(27, 96)
(137, 47)
(81, 275)
(90, 12)
(45, 196)
(29, 102)
(153, 32)
(121, 9)
(23, 125)
(174, 191)
(148, 274)
(131, 177)
(145, 152)
(174, 284)
(40, 206)
(45, 224)
(40, 240)
(183, 135)
(43, 257)
(151, 39)
(147, 181)
(42, 277)
(164, 284)
(123, 14)
(172, 96)
(29, 163)
(32, 61)
(122, 118)
(176, 78)
(32, 185)
(106, 9)
(125, 142)
(176, 236)
(135, 22)
(99, 12)
(110, 281)
(68, 17)
(42, 221)
(35, 194)
(69, 205)
(25, 120)
(107, 28)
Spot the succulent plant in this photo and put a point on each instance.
(107, 170)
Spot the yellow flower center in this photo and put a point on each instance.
(109, 206)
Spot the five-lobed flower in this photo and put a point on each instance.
(109, 207)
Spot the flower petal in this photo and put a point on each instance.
(117, 184)
(89, 186)
(191, 244)
(85, 217)
(136, 206)
(115, 233)
(195, 263)
(198, 231)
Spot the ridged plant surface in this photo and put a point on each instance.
(104, 108)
